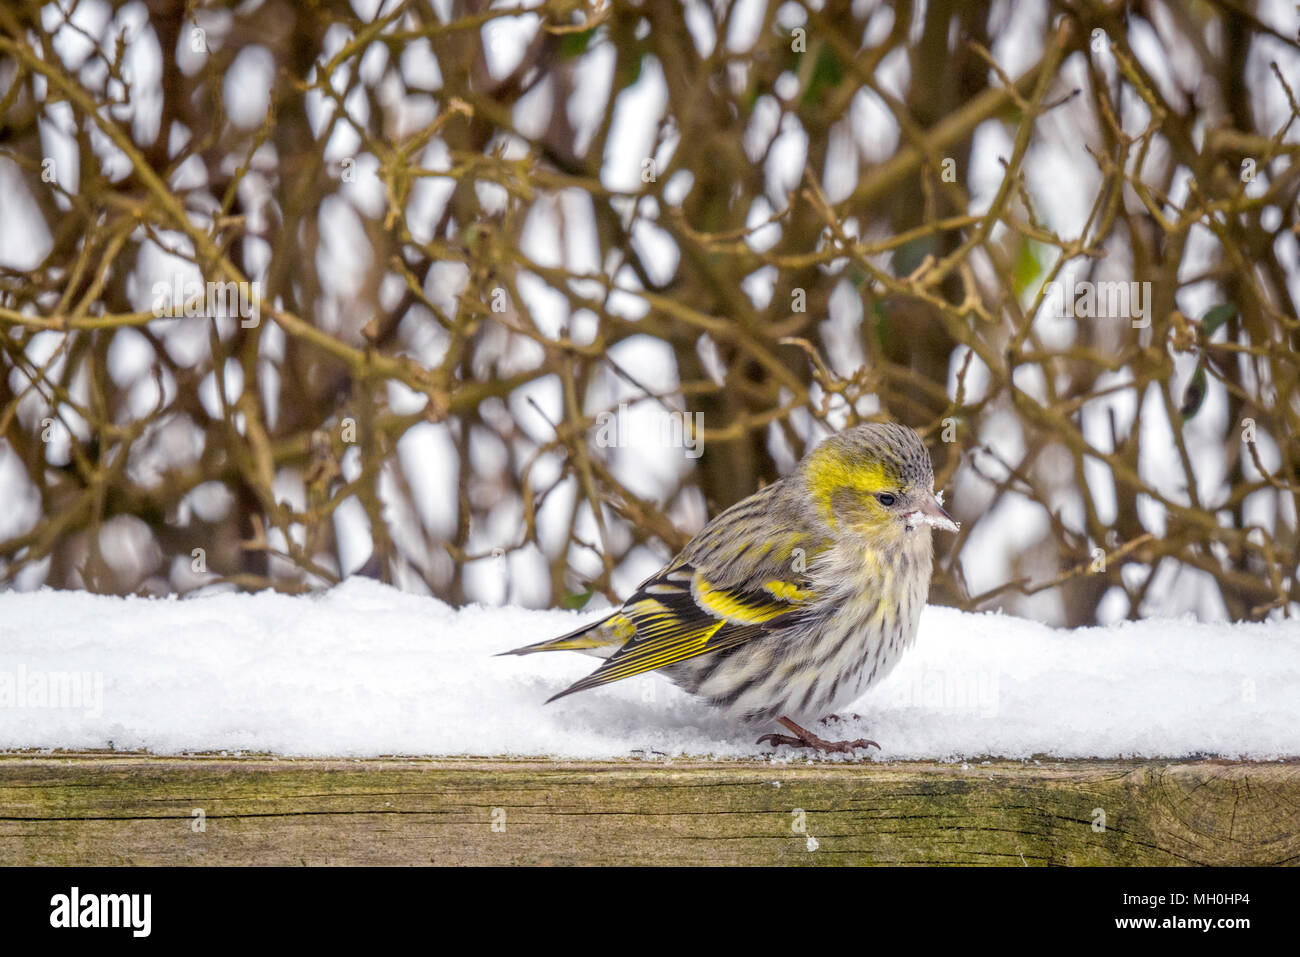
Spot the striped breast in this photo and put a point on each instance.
(829, 655)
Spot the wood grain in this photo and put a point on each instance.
(138, 809)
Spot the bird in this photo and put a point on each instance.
(791, 603)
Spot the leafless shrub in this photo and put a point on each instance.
(464, 240)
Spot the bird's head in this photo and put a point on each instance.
(876, 481)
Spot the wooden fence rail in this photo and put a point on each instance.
(95, 808)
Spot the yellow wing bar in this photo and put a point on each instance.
(679, 615)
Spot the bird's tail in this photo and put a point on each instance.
(589, 638)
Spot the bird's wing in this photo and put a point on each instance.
(679, 614)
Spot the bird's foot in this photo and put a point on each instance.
(803, 738)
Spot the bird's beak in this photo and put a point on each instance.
(931, 513)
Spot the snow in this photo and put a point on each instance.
(366, 670)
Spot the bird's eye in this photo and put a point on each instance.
(886, 499)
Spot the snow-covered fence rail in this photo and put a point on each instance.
(102, 699)
(97, 808)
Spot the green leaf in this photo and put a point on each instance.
(1217, 317)
(911, 254)
(576, 601)
(827, 73)
(1195, 394)
(575, 44)
(1027, 268)
(881, 326)
(632, 70)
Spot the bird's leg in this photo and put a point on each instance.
(836, 719)
(803, 738)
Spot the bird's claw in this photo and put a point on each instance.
(803, 738)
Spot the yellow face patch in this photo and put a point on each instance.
(835, 480)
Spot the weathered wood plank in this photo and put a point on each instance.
(137, 809)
